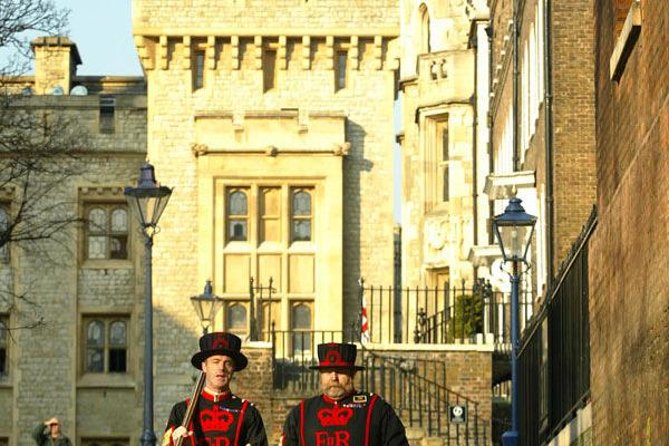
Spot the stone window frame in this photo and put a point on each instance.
(301, 331)
(107, 320)
(227, 325)
(234, 217)
(252, 217)
(295, 217)
(423, 29)
(111, 236)
(104, 196)
(626, 41)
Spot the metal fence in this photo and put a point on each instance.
(414, 387)
(433, 315)
(554, 358)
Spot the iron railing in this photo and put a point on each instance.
(414, 387)
(554, 356)
(434, 315)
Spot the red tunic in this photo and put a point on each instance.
(219, 420)
(361, 419)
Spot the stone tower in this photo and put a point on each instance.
(273, 121)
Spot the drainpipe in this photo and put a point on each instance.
(475, 194)
(548, 136)
(514, 88)
(489, 120)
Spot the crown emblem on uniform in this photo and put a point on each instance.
(216, 420)
(337, 416)
(220, 341)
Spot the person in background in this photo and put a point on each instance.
(341, 415)
(220, 418)
(48, 433)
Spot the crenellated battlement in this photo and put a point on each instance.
(249, 52)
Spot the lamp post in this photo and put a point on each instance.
(514, 229)
(206, 306)
(148, 201)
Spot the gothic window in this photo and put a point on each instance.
(107, 231)
(424, 35)
(301, 215)
(235, 318)
(106, 344)
(106, 117)
(300, 325)
(238, 215)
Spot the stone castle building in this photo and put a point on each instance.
(437, 84)
(274, 125)
(73, 301)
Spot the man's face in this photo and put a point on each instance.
(55, 428)
(337, 383)
(219, 370)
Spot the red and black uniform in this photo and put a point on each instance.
(219, 420)
(361, 419)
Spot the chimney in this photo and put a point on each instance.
(56, 60)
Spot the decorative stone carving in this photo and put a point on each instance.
(271, 151)
(342, 149)
(199, 149)
(437, 233)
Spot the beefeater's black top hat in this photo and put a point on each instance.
(220, 343)
(335, 355)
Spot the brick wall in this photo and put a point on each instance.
(468, 372)
(574, 121)
(629, 309)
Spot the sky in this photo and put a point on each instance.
(102, 30)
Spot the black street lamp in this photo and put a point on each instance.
(148, 201)
(514, 229)
(206, 306)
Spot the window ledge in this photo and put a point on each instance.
(628, 37)
(106, 380)
(107, 264)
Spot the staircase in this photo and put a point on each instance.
(415, 390)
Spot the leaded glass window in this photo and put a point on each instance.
(106, 345)
(238, 215)
(301, 327)
(302, 215)
(235, 320)
(107, 231)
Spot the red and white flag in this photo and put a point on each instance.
(364, 323)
